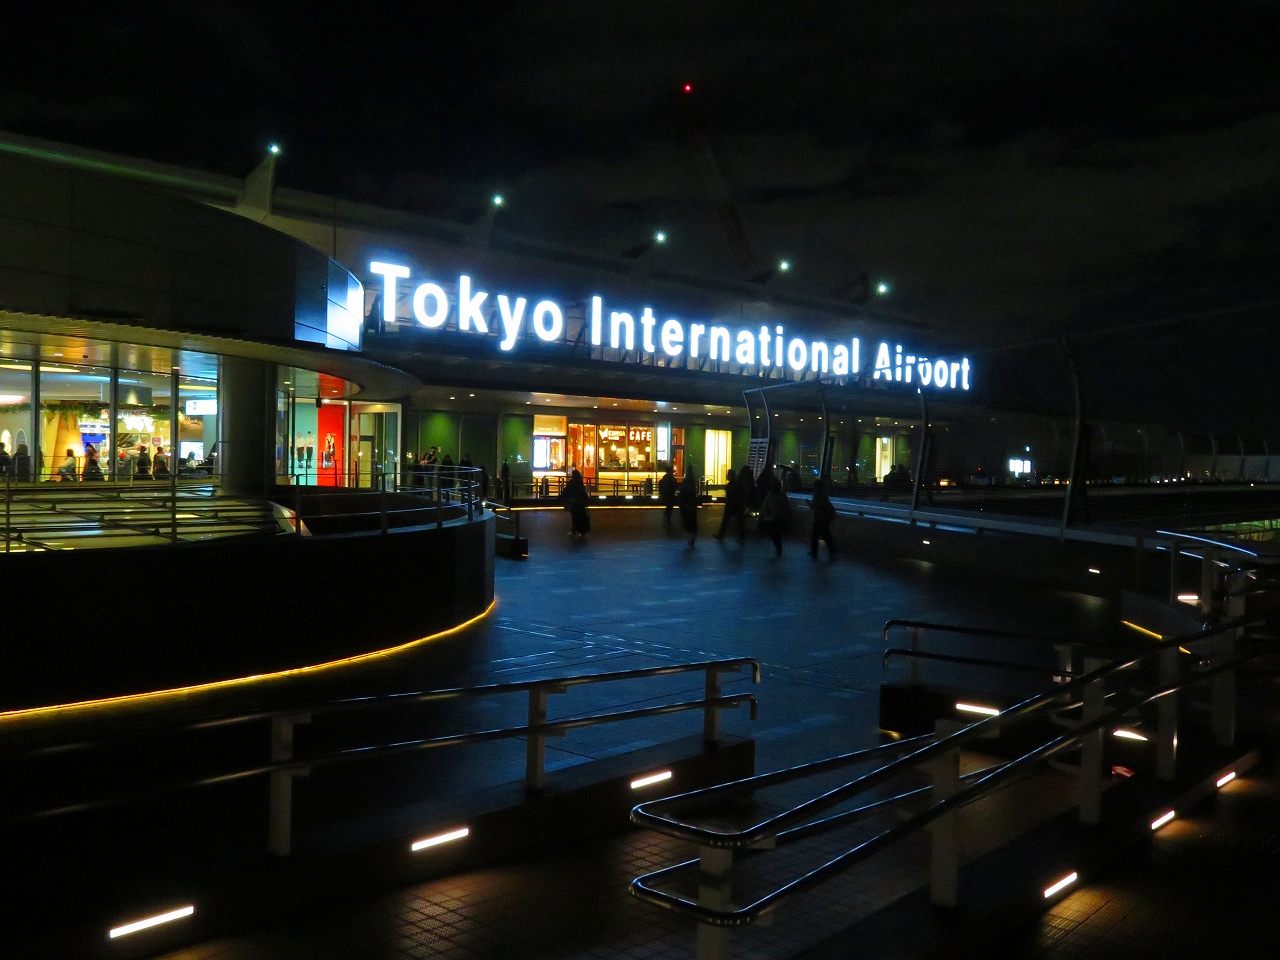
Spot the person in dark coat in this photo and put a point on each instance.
(775, 514)
(142, 465)
(667, 494)
(21, 462)
(447, 478)
(687, 499)
(764, 483)
(92, 469)
(504, 481)
(824, 512)
(737, 497)
(574, 496)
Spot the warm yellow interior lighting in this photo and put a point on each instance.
(440, 838)
(1161, 820)
(1143, 630)
(174, 692)
(977, 708)
(1062, 884)
(1223, 781)
(155, 921)
(651, 779)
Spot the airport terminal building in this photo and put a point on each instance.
(273, 336)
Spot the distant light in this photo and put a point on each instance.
(1094, 570)
(651, 779)
(155, 921)
(1223, 781)
(497, 200)
(1161, 820)
(659, 237)
(688, 88)
(274, 149)
(453, 398)
(882, 288)
(977, 708)
(440, 838)
(1062, 884)
(1128, 735)
(6, 398)
(470, 394)
(784, 265)
(925, 542)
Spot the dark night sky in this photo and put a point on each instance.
(1015, 170)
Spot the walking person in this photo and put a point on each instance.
(574, 496)
(504, 481)
(737, 495)
(667, 494)
(824, 512)
(687, 498)
(775, 514)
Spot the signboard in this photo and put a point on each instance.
(768, 346)
(201, 408)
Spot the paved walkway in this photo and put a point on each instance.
(633, 595)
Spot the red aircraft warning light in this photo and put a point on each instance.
(688, 88)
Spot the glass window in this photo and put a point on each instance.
(144, 411)
(15, 416)
(75, 427)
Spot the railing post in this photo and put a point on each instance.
(1223, 685)
(715, 868)
(1167, 717)
(382, 508)
(915, 662)
(280, 811)
(1173, 571)
(945, 844)
(1090, 781)
(535, 760)
(1207, 570)
(711, 712)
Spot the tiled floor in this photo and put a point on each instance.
(630, 596)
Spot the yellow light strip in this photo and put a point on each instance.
(976, 708)
(241, 681)
(155, 921)
(1161, 820)
(1223, 781)
(1062, 884)
(1142, 630)
(651, 779)
(440, 838)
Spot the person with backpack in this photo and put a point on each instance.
(775, 514)
(824, 512)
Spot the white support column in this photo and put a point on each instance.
(1091, 748)
(945, 846)
(280, 810)
(715, 867)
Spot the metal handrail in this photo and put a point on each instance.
(751, 912)
(1000, 634)
(971, 661)
(381, 751)
(983, 728)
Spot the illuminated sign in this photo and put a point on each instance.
(762, 349)
(201, 408)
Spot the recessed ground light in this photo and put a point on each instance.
(1094, 570)
(439, 839)
(1128, 735)
(1188, 598)
(1223, 781)
(128, 928)
(1062, 884)
(925, 542)
(651, 779)
(977, 708)
(1161, 820)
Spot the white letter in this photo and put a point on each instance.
(746, 353)
(955, 370)
(719, 338)
(441, 313)
(695, 331)
(797, 359)
(388, 272)
(856, 354)
(840, 361)
(777, 347)
(897, 363)
(964, 371)
(882, 363)
(510, 320)
(540, 313)
(672, 338)
(926, 371)
(764, 346)
(940, 373)
(469, 306)
(616, 320)
(818, 349)
(647, 321)
(597, 310)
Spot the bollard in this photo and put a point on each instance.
(715, 868)
(1091, 747)
(945, 831)
(280, 811)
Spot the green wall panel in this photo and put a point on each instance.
(515, 436)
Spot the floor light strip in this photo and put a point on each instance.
(1161, 820)
(1128, 735)
(155, 921)
(1062, 884)
(1223, 781)
(976, 708)
(651, 779)
(440, 838)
